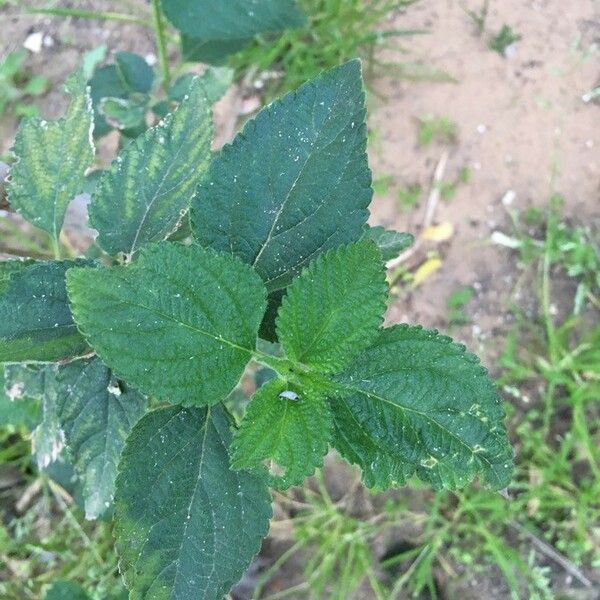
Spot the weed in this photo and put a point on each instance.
(436, 129)
(456, 302)
(409, 196)
(503, 39)
(18, 86)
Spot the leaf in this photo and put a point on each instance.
(294, 183)
(212, 52)
(96, 413)
(334, 309)
(390, 243)
(105, 83)
(143, 195)
(65, 590)
(216, 81)
(289, 425)
(236, 19)
(180, 323)
(134, 72)
(417, 402)
(35, 319)
(53, 157)
(199, 523)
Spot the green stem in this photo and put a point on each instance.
(161, 43)
(55, 247)
(89, 14)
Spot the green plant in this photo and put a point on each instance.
(503, 39)
(133, 354)
(17, 86)
(436, 129)
(336, 31)
(455, 303)
(409, 196)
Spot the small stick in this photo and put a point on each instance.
(432, 203)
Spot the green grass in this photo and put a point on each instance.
(441, 130)
(338, 30)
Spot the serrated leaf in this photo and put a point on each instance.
(236, 19)
(199, 523)
(415, 402)
(143, 195)
(180, 323)
(35, 318)
(294, 183)
(289, 425)
(334, 309)
(52, 159)
(96, 414)
(390, 243)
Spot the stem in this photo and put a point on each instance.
(89, 14)
(161, 43)
(56, 247)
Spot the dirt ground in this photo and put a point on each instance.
(522, 125)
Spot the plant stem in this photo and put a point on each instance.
(90, 14)
(161, 43)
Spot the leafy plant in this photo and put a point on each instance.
(17, 86)
(166, 329)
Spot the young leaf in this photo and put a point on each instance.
(294, 183)
(288, 425)
(233, 20)
(390, 243)
(417, 402)
(186, 525)
(180, 323)
(35, 319)
(143, 195)
(96, 416)
(53, 157)
(334, 309)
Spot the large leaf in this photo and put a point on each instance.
(213, 52)
(289, 425)
(35, 319)
(95, 413)
(232, 20)
(180, 323)
(148, 187)
(417, 402)
(333, 310)
(53, 157)
(294, 183)
(66, 590)
(186, 525)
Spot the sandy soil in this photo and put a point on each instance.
(522, 126)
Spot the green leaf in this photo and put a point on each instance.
(216, 81)
(390, 243)
(186, 525)
(233, 20)
(35, 319)
(135, 73)
(292, 429)
(294, 183)
(8, 267)
(95, 413)
(334, 309)
(143, 195)
(65, 590)
(124, 113)
(417, 402)
(53, 157)
(106, 83)
(212, 52)
(180, 323)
